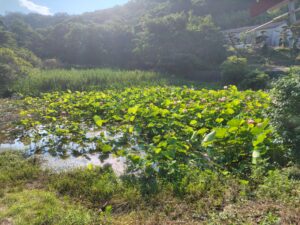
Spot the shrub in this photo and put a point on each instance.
(285, 110)
(255, 80)
(234, 70)
(14, 64)
(11, 67)
(28, 56)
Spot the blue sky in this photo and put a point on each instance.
(49, 7)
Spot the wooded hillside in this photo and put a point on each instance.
(143, 34)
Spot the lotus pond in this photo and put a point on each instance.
(178, 155)
(159, 130)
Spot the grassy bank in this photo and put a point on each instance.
(39, 81)
(30, 195)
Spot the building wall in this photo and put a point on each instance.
(274, 35)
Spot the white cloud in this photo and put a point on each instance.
(43, 10)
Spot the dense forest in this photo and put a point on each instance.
(145, 34)
(142, 34)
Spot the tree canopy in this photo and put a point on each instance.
(173, 36)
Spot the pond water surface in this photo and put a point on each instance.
(59, 164)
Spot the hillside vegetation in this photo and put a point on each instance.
(200, 132)
(130, 36)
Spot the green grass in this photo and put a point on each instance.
(94, 186)
(279, 187)
(16, 171)
(97, 196)
(40, 81)
(36, 207)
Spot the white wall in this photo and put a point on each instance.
(274, 35)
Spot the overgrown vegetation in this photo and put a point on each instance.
(14, 64)
(285, 110)
(9, 111)
(190, 155)
(96, 196)
(203, 150)
(164, 131)
(41, 81)
(158, 35)
(235, 70)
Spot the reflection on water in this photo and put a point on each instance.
(17, 145)
(58, 164)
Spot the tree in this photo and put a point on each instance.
(179, 43)
(14, 64)
(6, 37)
(25, 36)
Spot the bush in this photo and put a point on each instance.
(11, 67)
(14, 64)
(28, 56)
(285, 110)
(234, 70)
(255, 80)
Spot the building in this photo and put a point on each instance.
(275, 34)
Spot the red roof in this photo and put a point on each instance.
(264, 5)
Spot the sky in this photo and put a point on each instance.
(50, 7)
